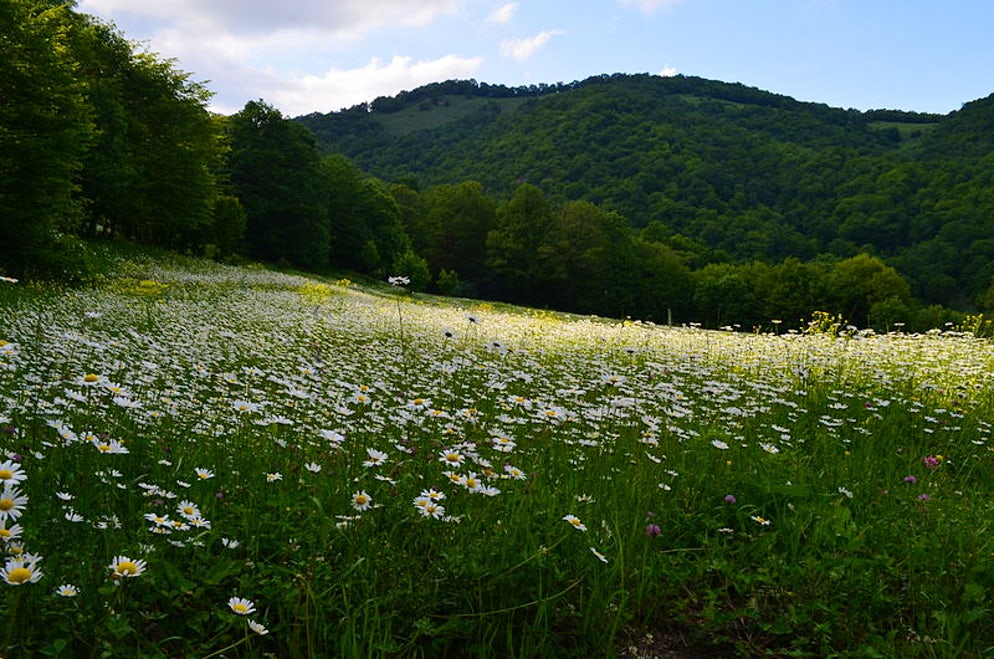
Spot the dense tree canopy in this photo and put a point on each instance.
(276, 173)
(96, 138)
(46, 126)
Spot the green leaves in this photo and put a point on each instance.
(45, 127)
(276, 173)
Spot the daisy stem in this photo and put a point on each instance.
(12, 624)
(403, 343)
(229, 647)
(542, 551)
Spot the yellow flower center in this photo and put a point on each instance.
(91, 377)
(6, 504)
(19, 575)
(361, 500)
(4, 533)
(6, 474)
(240, 608)
(104, 447)
(127, 567)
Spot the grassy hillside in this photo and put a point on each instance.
(364, 473)
(436, 113)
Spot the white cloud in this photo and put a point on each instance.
(522, 49)
(340, 88)
(294, 54)
(503, 14)
(668, 72)
(649, 6)
(342, 18)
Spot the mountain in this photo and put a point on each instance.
(752, 174)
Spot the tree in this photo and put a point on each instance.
(513, 259)
(663, 284)
(587, 260)
(798, 289)
(856, 284)
(344, 188)
(367, 223)
(381, 216)
(413, 267)
(175, 149)
(276, 172)
(227, 230)
(727, 294)
(452, 231)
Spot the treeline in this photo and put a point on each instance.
(101, 140)
(320, 213)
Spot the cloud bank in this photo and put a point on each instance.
(522, 49)
(650, 6)
(287, 52)
(503, 14)
(341, 88)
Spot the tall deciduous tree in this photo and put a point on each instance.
(343, 189)
(367, 224)
(855, 285)
(275, 171)
(589, 259)
(452, 232)
(381, 215)
(513, 246)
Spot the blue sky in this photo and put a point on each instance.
(322, 55)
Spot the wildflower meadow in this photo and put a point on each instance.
(202, 460)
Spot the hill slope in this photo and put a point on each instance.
(752, 173)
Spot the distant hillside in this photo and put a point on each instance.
(552, 135)
(967, 133)
(753, 174)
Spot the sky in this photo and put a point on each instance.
(304, 56)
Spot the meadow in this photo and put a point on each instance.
(205, 461)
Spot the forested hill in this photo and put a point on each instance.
(748, 173)
(665, 199)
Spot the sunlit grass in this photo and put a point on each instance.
(203, 460)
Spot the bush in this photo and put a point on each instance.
(65, 259)
(447, 282)
(414, 267)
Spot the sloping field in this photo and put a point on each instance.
(207, 461)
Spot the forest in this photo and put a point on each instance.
(672, 200)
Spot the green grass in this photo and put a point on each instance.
(750, 494)
(427, 115)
